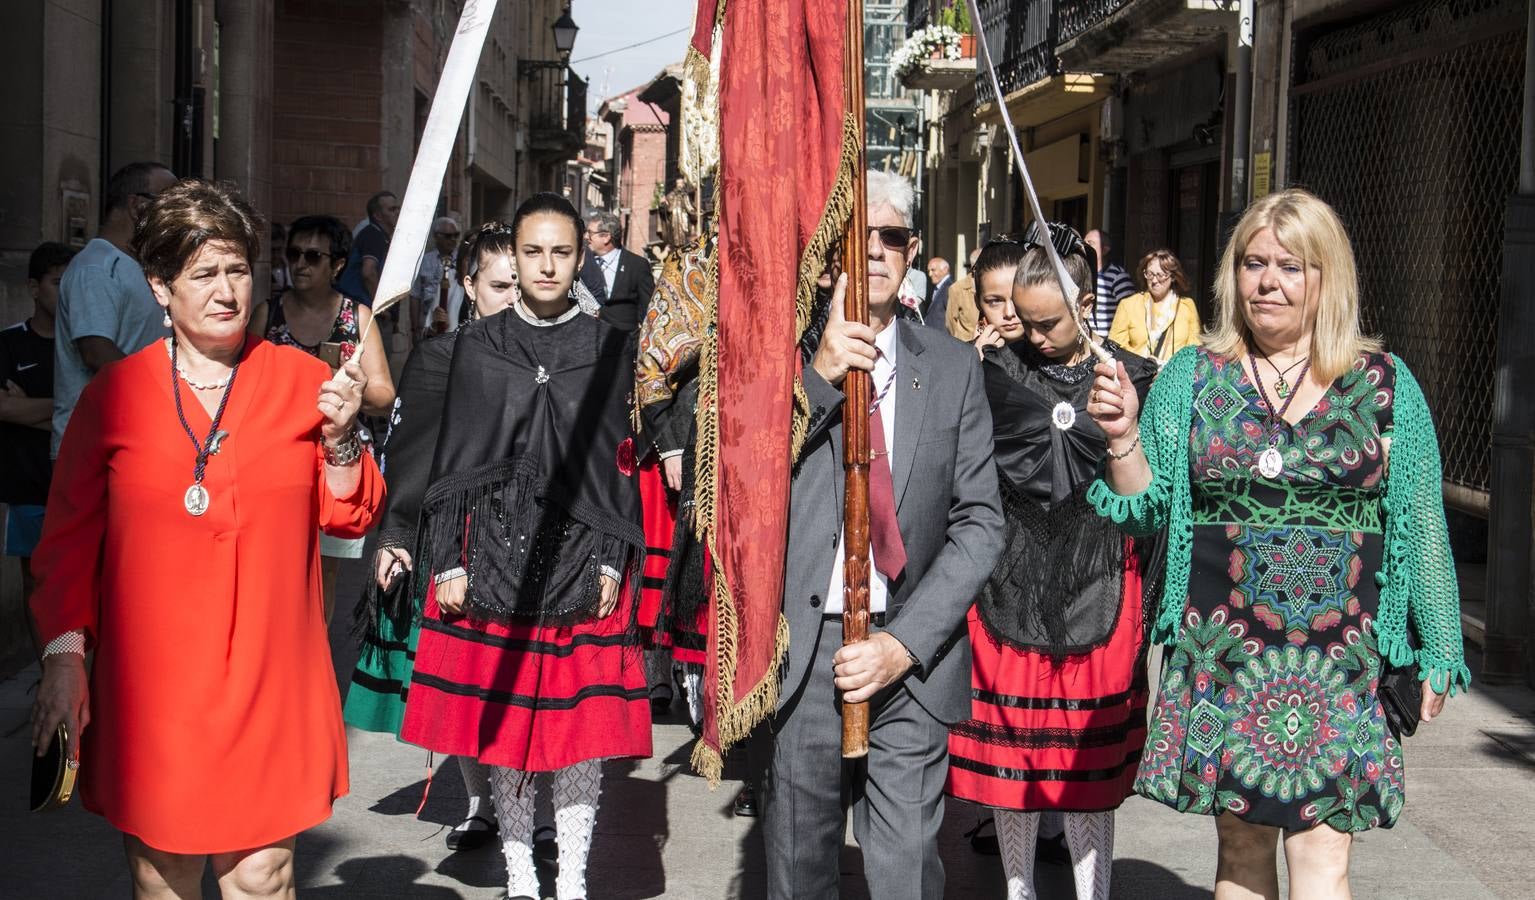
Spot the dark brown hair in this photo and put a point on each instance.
(187, 215)
(1170, 265)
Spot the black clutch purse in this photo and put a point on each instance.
(53, 774)
(1401, 695)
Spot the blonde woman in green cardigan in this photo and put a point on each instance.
(1295, 468)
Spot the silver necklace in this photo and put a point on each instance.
(196, 385)
(1271, 461)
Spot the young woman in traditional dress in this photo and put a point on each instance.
(672, 597)
(391, 614)
(530, 532)
(1058, 678)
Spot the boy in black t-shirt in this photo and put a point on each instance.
(26, 408)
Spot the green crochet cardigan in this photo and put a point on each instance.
(1418, 575)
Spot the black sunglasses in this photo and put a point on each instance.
(893, 237)
(311, 257)
(450, 235)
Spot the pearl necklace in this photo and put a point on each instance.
(196, 385)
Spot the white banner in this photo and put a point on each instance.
(419, 207)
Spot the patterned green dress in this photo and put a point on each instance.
(1267, 707)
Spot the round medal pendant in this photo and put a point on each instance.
(196, 500)
(1064, 415)
(1270, 463)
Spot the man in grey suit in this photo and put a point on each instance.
(940, 488)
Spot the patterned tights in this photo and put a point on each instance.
(575, 816)
(1089, 836)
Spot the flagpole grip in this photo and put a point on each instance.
(856, 407)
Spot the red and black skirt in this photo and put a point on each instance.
(663, 628)
(1054, 734)
(527, 696)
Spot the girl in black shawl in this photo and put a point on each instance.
(390, 611)
(1058, 679)
(530, 537)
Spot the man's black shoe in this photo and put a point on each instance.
(745, 804)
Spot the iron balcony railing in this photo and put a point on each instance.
(556, 106)
(918, 14)
(1077, 16)
(1021, 35)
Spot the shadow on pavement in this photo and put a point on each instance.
(381, 876)
(1139, 878)
(632, 832)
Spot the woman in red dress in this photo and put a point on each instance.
(1058, 680)
(180, 547)
(529, 656)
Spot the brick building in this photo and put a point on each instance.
(638, 165)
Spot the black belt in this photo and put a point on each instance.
(876, 619)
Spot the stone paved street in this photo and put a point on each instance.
(1467, 832)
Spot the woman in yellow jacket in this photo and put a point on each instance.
(1161, 319)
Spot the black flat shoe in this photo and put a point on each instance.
(985, 844)
(745, 805)
(1053, 850)
(660, 699)
(462, 838)
(546, 847)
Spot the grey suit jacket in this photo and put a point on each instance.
(947, 504)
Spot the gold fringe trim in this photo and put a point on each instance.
(735, 720)
(834, 217)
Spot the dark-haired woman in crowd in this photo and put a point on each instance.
(180, 547)
(1058, 677)
(318, 319)
(392, 612)
(530, 534)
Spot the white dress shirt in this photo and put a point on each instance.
(884, 395)
(609, 263)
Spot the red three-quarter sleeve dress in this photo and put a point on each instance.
(215, 721)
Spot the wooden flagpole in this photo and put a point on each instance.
(855, 410)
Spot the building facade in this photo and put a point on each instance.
(638, 166)
(307, 106)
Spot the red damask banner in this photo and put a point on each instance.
(783, 197)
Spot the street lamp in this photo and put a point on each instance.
(565, 29)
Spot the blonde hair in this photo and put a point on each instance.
(1307, 227)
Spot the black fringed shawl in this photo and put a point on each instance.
(413, 428)
(526, 492)
(1057, 586)
(407, 465)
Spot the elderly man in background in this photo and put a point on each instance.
(106, 310)
(938, 273)
(432, 293)
(936, 523)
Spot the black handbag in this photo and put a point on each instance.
(1401, 695)
(53, 774)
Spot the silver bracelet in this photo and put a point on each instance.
(347, 453)
(68, 642)
(1128, 450)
